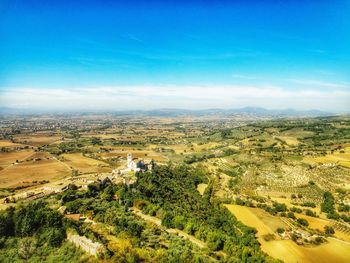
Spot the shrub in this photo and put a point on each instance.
(302, 221)
(328, 230)
(280, 230)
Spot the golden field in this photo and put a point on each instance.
(84, 164)
(39, 166)
(288, 251)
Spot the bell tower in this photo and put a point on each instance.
(129, 160)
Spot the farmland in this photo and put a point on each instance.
(84, 164)
(286, 175)
(35, 167)
(287, 250)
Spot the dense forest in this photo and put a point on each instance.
(35, 233)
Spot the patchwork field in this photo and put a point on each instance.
(297, 133)
(292, 141)
(140, 154)
(39, 166)
(85, 164)
(288, 251)
(284, 166)
(342, 159)
(332, 251)
(257, 218)
(8, 158)
(37, 139)
(6, 143)
(320, 223)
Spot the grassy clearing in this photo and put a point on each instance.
(201, 188)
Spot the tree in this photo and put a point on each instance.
(328, 230)
(328, 203)
(308, 212)
(280, 230)
(7, 225)
(291, 215)
(167, 220)
(108, 193)
(96, 141)
(215, 241)
(302, 221)
(225, 133)
(55, 236)
(26, 247)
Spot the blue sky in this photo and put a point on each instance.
(181, 54)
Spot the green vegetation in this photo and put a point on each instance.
(302, 221)
(172, 189)
(328, 206)
(286, 167)
(168, 192)
(34, 233)
(328, 230)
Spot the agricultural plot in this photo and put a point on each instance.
(85, 164)
(286, 250)
(296, 133)
(294, 203)
(139, 154)
(38, 167)
(9, 158)
(257, 218)
(9, 144)
(342, 231)
(341, 159)
(291, 141)
(36, 139)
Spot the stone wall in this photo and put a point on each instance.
(93, 248)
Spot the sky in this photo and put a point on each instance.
(122, 55)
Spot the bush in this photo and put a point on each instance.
(269, 237)
(328, 230)
(328, 203)
(308, 212)
(303, 222)
(309, 204)
(280, 230)
(291, 215)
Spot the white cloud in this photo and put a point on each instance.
(190, 97)
(317, 83)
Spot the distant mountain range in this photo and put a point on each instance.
(251, 111)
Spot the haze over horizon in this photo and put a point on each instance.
(175, 54)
